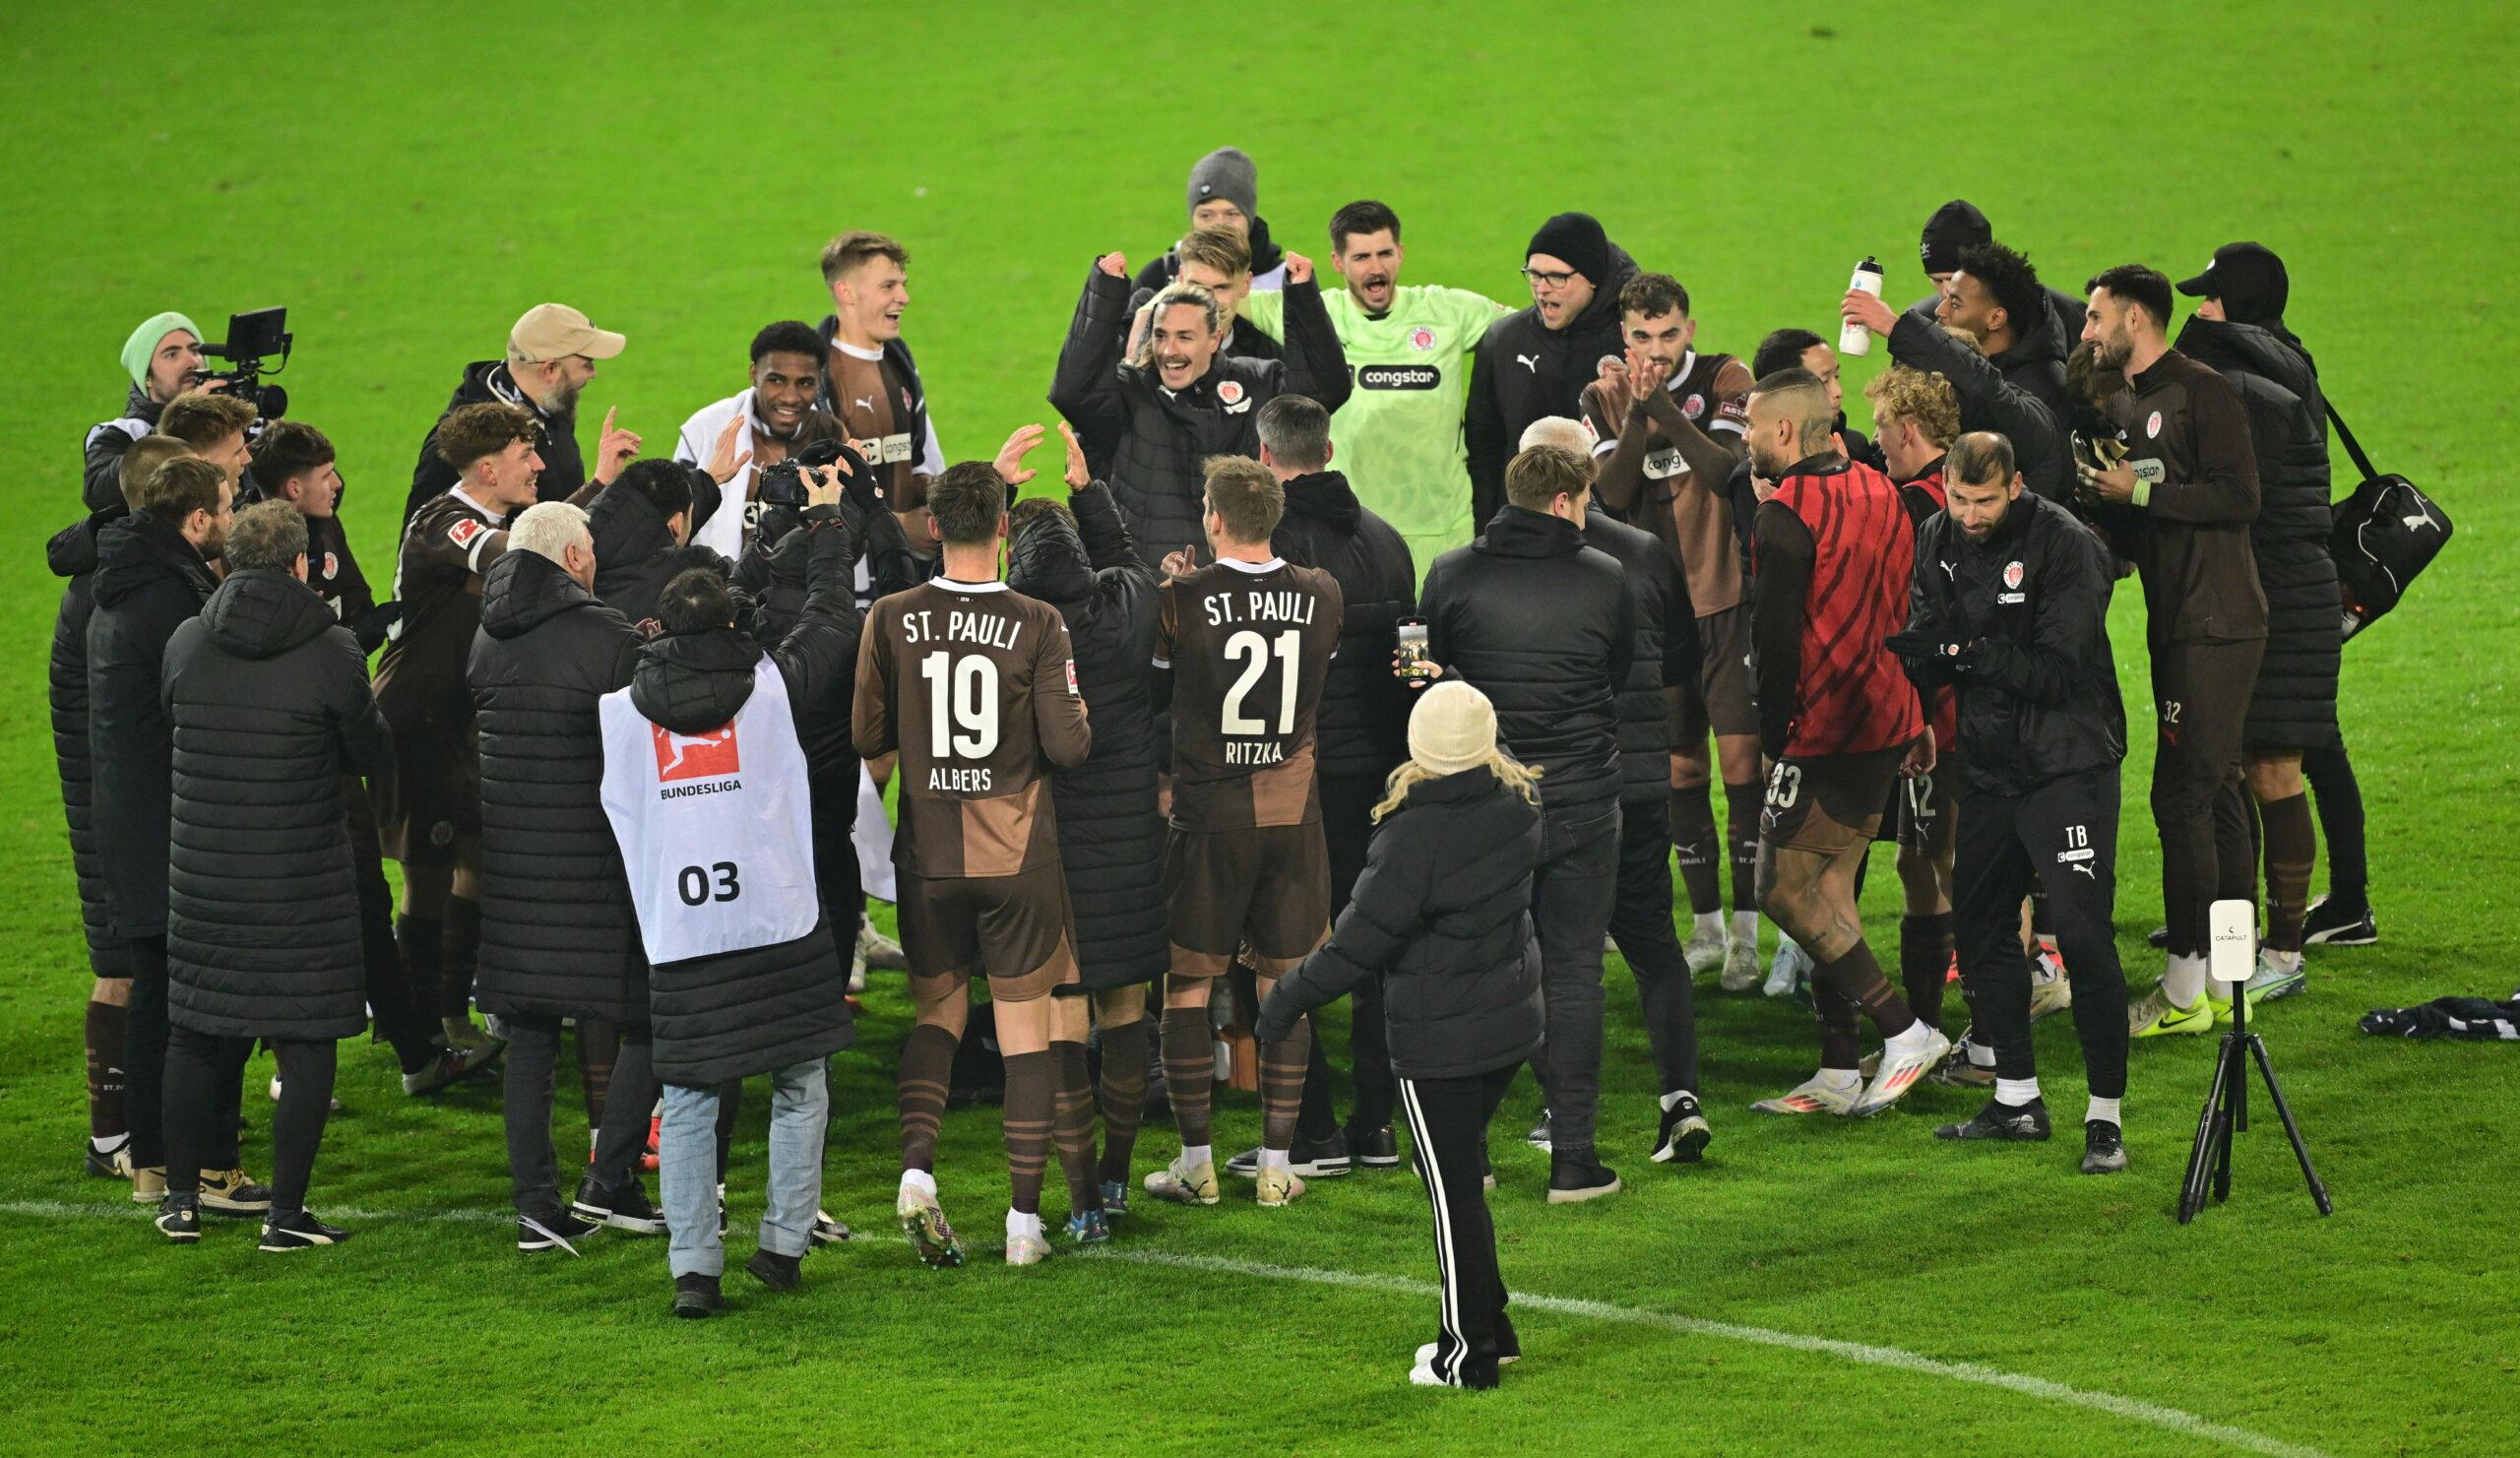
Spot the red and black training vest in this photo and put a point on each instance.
(1853, 697)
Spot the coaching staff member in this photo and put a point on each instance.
(267, 695)
(1546, 627)
(1537, 361)
(558, 938)
(2009, 610)
(551, 355)
(2182, 504)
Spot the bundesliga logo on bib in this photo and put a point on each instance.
(695, 756)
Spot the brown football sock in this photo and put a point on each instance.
(1074, 1132)
(2292, 854)
(1701, 851)
(1124, 1050)
(1741, 841)
(1281, 1065)
(1858, 979)
(104, 1074)
(1031, 1106)
(1189, 1069)
(927, 1068)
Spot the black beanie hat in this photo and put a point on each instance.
(1576, 237)
(1954, 225)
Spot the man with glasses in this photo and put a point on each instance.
(551, 355)
(1535, 362)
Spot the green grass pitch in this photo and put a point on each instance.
(409, 178)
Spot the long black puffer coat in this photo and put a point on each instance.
(1361, 730)
(2294, 703)
(72, 555)
(740, 1013)
(1110, 837)
(1444, 913)
(1148, 442)
(269, 698)
(150, 581)
(558, 936)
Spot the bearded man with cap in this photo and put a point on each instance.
(1224, 192)
(551, 355)
(161, 357)
(1535, 362)
(1441, 913)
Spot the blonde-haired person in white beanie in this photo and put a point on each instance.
(1442, 913)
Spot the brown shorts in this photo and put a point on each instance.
(1830, 803)
(1268, 888)
(1923, 814)
(1721, 701)
(1012, 930)
(437, 781)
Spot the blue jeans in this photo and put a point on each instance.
(687, 1167)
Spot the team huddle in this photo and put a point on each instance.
(1385, 643)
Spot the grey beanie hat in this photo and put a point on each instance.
(1229, 175)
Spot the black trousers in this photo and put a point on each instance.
(2340, 805)
(199, 1065)
(1348, 829)
(1572, 892)
(2065, 834)
(526, 1096)
(404, 1016)
(1447, 1127)
(2200, 805)
(1641, 925)
(143, 1054)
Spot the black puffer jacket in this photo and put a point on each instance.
(150, 581)
(2037, 360)
(1666, 655)
(771, 585)
(1362, 729)
(269, 698)
(1443, 914)
(558, 936)
(564, 470)
(1992, 399)
(1523, 371)
(2293, 706)
(1546, 627)
(71, 554)
(742, 1013)
(102, 487)
(1110, 837)
(635, 554)
(1148, 442)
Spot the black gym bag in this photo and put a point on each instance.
(2386, 533)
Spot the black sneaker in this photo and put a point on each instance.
(1313, 1159)
(826, 1230)
(696, 1297)
(1375, 1148)
(2157, 938)
(448, 1067)
(2331, 923)
(2103, 1148)
(1538, 1138)
(1575, 1175)
(295, 1230)
(557, 1231)
(2009, 1123)
(234, 1192)
(112, 1164)
(624, 1209)
(179, 1220)
(776, 1271)
(1685, 1134)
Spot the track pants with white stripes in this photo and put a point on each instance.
(1447, 1127)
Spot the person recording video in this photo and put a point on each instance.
(164, 358)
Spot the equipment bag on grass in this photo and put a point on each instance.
(2386, 531)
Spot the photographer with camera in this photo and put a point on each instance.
(551, 355)
(164, 358)
(733, 440)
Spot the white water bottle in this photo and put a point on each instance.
(1854, 339)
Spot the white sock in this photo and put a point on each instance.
(1020, 1224)
(1272, 1159)
(1918, 1036)
(1709, 924)
(2103, 1109)
(2012, 1093)
(1981, 1054)
(2287, 962)
(919, 1179)
(1675, 1097)
(1746, 927)
(1195, 1155)
(1844, 1080)
(2183, 981)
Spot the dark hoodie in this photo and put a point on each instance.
(1110, 837)
(739, 1013)
(102, 487)
(635, 554)
(72, 555)
(1361, 730)
(564, 470)
(1523, 371)
(148, 581)
(558, 936)
(1546, 627)
(268, 697)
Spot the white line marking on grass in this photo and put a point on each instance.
(2155, 1414)
(2175, 1419)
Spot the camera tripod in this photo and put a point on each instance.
(2226, 1110)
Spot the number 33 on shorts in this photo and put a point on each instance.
(1785, 785)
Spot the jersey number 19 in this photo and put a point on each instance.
(961, 706)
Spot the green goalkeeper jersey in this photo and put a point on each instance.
(1398, 438)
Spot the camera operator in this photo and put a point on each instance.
(164, 358)
(551, 355)
(2023, 642)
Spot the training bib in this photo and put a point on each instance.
(716, 829)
